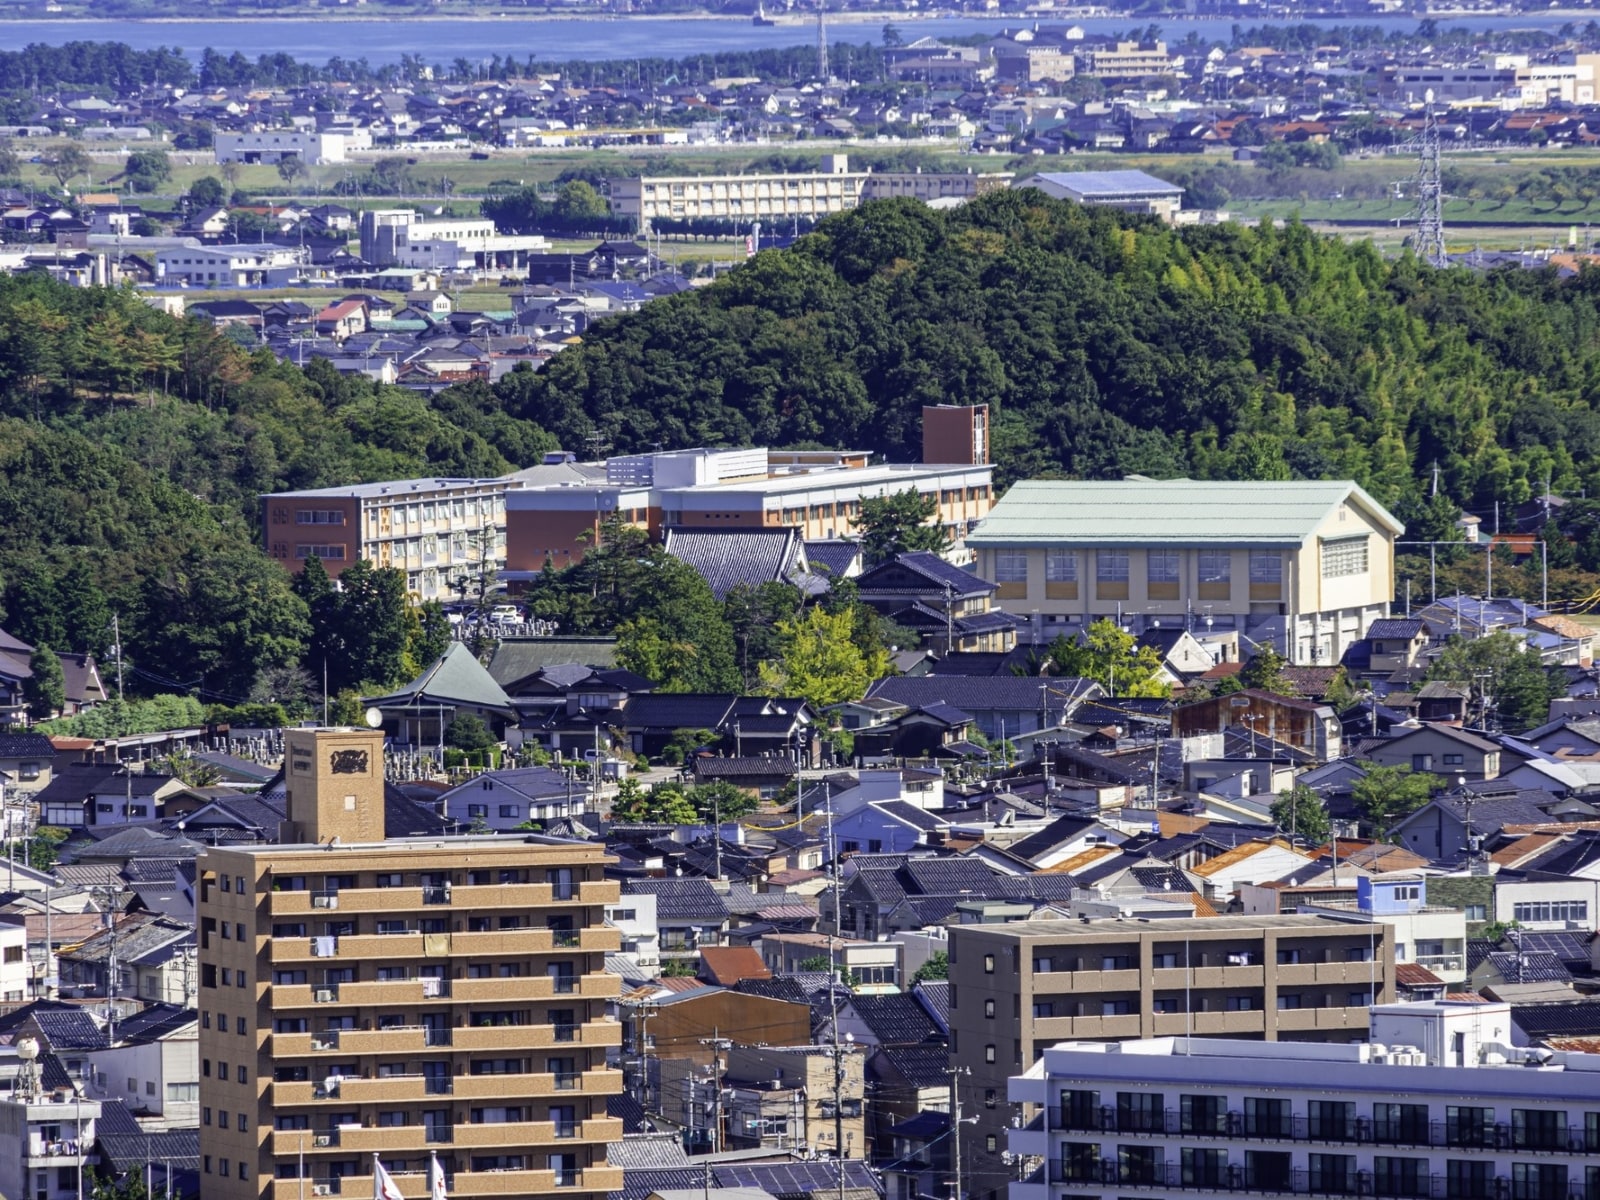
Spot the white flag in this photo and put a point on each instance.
(436, 1180)
(383, 1185)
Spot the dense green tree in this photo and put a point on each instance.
(45, 690)
(1301, 813)
(935, 968)
(207, 192)
(753, 615)
(66, 161)
(1385, 794)
(677, 635)
(1507, 678)
(1264, 672)
(891, 525)
(1110, 656)
(720, 800)
(147, 170)
(664, 803)
(819, 661)
(468, 732)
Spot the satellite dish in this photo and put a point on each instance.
(28, 1049)
(374, 718)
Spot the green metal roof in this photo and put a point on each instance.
(1168, 512)
(456, 678)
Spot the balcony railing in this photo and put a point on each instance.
(436, 895)
(566, 938)
(1236, 1178)
(565, 1033)
(566, 1081)
(1238, 1126)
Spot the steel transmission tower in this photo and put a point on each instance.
(823, 73)
(1430, 189)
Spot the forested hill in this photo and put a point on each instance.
(1107, 344)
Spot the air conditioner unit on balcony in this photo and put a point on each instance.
(325, 995)
(324, 902)
(322, 1189)
(322, 1139)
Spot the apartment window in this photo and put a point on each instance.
(1011, 566)
(1111, 566)
(1400, 1176)
(1288, 1001)
(1266, 567)
(1469, 1180)
(988, 1008)
(1538, 1129)
(1538, 1181)
(1476, 912)
(1533, 912)
(1266, 1117)
(319, 516)
(1331, 1120)
(1139, 1112)
(325, 553)
(1165, 1004)
(988, 1053)
(1061, 566)
(1204, 1168)
(1215, 566)
(1267, 1170)
(1242, 1003)
(1202, 1114)
(1116, 1008)
(1343, 557)
(1331, 1173)
(1080, 1162)
(1468, 1126)
(988, 964)
(1043, 1008)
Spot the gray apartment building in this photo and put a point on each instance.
(1019, 987)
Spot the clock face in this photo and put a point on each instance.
(348, 762)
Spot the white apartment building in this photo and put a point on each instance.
(253, 265)
(1437, 1104)
(45, 1137)
(275, 145)
(401, 237)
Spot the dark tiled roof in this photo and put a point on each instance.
(25, 745)
(726, 558)
(176, 1148)
(1539, 1021)
(1479, 949)
(1570, 856)
(646, 1151)
(1396, 627)
(934, 995)
(835, 555)
(946, 876)
(1062, 829)
(920, 1066)
(70, 1030)
(895, 1020)
(782, 988)
(155, 1022)
(909, 814)
(983, 693)
(625, 1108)
(677, 710)
(926, 572)
(116, 1119)
(980, 662)
(1489, 813)
(769, 765)
(680, 899)
(404, 817)
(1035, 887)
(1531, 966)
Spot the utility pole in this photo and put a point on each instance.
(955, 1133)
(116, 648)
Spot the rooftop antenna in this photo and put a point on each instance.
(1430, 190)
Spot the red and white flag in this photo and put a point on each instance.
(383, 1185)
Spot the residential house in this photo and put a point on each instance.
(80, 679)
(689, 914)
(84, 794)
(153, 956)
(1000, 706)
(342, 320)
(1441, 750)
(1303, 725)
(151, 1063)
(511, 799)
(1457, 824)
(949, 607)
(730, 558)
(27, 762)
(873, 965)
(796, 1098)
(1397, 644)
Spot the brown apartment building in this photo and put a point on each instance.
(1016, 988)
(407, 998)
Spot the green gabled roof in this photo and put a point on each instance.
(1169, 512)
(456, 678)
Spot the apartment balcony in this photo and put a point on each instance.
(598, 1082)
(598, 939)
(385, 993)
(1085, 981)
(545, 1134)
(1120, 1025)
(394, 900)
(382, 947)
(1294, 1020)
(1237, 1179)
(1289, 975)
